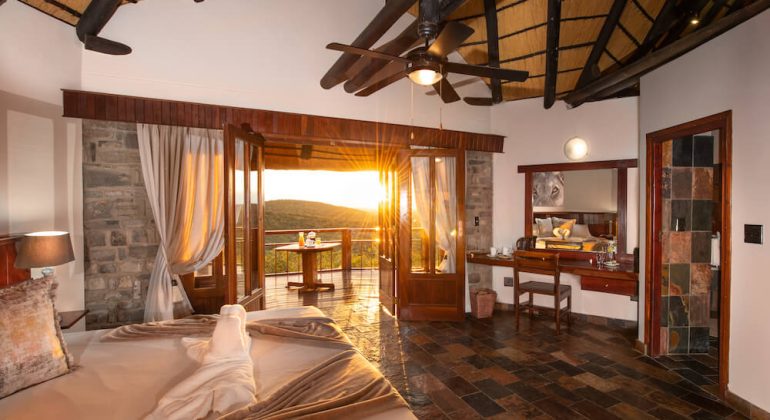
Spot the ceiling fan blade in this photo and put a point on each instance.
(483, 71)
(390, 68)
(450, 38)
(461, 83)
(364, 52)
(447, 92)
(374, 87)
(105, 46)
(479, 101)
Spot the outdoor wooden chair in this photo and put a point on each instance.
(545, 263)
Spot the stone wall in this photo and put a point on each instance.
(121, 238)
(478, 203)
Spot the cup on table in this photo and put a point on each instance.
(492, 251)
(506, 251)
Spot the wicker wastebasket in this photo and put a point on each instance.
(483, 302)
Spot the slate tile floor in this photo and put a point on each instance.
(484, 369)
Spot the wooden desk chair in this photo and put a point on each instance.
(545, 263)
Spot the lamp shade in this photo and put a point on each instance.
(44, 249)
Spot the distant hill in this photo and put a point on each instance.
(298, 214)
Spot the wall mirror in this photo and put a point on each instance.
(580, 206)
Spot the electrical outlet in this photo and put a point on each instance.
(752, 234)
(508, 281)
(476, 221)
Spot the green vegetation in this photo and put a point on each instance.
(310, 215)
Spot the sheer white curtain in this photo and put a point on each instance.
(446, 212)
(183, 171)
(421, 194)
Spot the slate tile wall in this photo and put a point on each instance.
(688, 204)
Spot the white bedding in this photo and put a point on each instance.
(124, 380)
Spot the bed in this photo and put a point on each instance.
(590, 231)
(124, 380)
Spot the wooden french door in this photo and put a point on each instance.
(244, 217)
(388, 222)
(431, 241)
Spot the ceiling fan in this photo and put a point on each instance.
(428, 65)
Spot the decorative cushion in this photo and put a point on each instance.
(581, 231)
(32, 349)
(563, 223)
(544, 227)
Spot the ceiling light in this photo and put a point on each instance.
(425, 77)
(694, 20)
(575, 148)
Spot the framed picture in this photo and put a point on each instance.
(547, 189)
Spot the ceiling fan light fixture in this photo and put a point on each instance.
(425, 77)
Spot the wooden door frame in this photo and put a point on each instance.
(406, 310)
(254, 297)
(388, 234)
(723, 123)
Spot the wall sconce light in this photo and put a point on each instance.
(575, 148)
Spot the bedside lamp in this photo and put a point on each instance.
(45, 250)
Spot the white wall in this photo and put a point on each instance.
(258, 54)
(40, 171)
(535, 135)
(593, 190)
(729, 73)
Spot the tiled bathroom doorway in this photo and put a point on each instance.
(688, 259)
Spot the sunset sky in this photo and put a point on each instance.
(358, 190)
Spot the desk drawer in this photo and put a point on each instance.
(614, 286)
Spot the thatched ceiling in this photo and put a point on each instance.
(522, 36)
(593, 41)
(67, 11)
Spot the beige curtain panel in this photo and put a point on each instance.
(183, 171)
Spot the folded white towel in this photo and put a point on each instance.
(225, 380)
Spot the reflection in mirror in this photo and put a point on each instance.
(581, 210)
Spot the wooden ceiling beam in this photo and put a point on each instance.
(693, 7)
(628, 75)
(716, 7)
(387, 16)
(552, 52)
(666, 18)
(65, 8)
(591, 70)
(493, 47)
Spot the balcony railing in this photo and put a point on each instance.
(358, 250)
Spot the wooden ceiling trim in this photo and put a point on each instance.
(110, 107)
(643, 11)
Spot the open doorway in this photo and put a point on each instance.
(688, 255)
(340, 209)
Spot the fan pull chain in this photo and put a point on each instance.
(411, 111)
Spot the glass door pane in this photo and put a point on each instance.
(241, 214)
(421, 214)
(446, 214)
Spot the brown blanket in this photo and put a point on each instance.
(311, 328)
(344, 385)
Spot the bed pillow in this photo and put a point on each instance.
(32, 349)
(581, 231)
(544, 227)
(563, 223)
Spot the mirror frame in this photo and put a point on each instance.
(621, 165)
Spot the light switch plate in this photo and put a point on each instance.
(752, 234)
(476, 221)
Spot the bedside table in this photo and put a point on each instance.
(69, 318)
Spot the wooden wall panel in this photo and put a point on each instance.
(8, 273)
(109, 107)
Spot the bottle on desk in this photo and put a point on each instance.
(302, 239)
